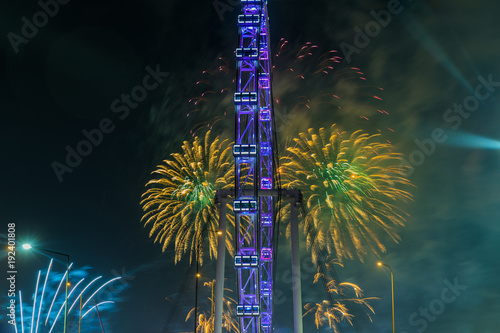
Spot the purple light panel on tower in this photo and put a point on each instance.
(265, 115)
(266, 183)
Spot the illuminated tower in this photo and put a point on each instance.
(254, 153)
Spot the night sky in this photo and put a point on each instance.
(68, 78)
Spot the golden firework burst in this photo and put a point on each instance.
(179, 203)
(353, 187)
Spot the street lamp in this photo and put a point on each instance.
(198, 275)
(392, 289)
(28, 247)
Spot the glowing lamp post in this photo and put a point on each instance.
(392, 289)
(28, 247)
(198, 275)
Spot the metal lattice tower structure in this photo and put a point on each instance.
(254, 153)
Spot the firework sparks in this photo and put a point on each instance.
(333, 312)
(353, 186)
(229, 318)
(179, 205)
(39, 308)
(308, 86)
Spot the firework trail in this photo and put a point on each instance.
(343, 300)
(40, 309)
(333, 313)
(309, 86)
(179, 204)
(353, 188)
(206, 320)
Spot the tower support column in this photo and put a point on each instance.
(221, 262)
(296, 282)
